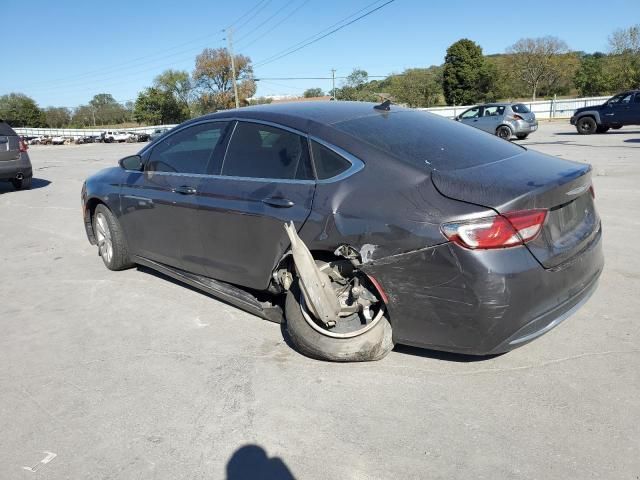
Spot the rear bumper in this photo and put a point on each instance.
(524, 127)
(10, 169)
(482, 302)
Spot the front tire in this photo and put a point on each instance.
(617, 127)
(23, 184)
(112, 246)
(522, 136)
(601, 129)
(586, 126)
(504, 132)
(372, 344)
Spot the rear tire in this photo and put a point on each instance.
(522, 136)
(504, 132)
(617, 127)
(373, 344)
(601, 129)
(23, 184)
(112, 246)
(586, 126)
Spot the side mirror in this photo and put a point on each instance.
(457, 118)
(133, 162)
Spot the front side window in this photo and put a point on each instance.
(189, 150)
(471, 113)
(262, 151)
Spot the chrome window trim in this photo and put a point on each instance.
(356, 164)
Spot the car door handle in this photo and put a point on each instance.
(278, 202)
(184, 190)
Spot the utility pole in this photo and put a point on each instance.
(229, 33)
(333, 83)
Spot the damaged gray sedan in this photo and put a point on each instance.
(357, 225)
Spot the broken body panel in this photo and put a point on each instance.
(440, 295)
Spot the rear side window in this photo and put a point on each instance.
(427, 140)
(328, 163)
(520, 108)
(494, 111)
(262, 151)
(189, 150)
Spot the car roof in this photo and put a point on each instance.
(304, 116)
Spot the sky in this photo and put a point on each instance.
(68, 50)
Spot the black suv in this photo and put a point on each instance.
(15, 165)
(620, 110)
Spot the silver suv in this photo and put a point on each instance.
(502, 119)
(15, 165)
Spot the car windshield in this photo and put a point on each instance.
(426, 140)
(520, 108)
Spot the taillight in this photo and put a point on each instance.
(498, 231)
(517, 117)
(23, 146)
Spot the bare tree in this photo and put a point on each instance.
(535, 60)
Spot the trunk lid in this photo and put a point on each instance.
(527, 181)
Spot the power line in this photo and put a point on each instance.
(245, 14)
(251, 17)
(264, 22)
(293, 49)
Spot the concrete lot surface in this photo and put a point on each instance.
(127, 375)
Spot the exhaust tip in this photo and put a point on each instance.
(19, 176)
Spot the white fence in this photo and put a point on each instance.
(543, 108)
(81, 132)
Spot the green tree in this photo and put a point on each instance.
(535, 60)
(107, 110)
(157, 107)
(465, 77)
(179, 84)
(417, 87)
(313, 92)
(213, 78)
(19, 110)
(625, 57)
(57, 117)
(592, 77)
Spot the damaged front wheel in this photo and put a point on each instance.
(360, 333)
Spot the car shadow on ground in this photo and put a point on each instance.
(403, 349)
(610, 132)
(251, 462)
(632, 140)
(6, 187)
(445, 356)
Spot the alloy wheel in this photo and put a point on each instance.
(103, 235)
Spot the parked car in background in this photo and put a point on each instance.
(142, 137)
(15, 165)
(58, 140)
(158, 132)
(620, 110)
(367, 224)
(502, 119)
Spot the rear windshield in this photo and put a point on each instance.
(426, 140)
(5, 129)
(519, 108)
